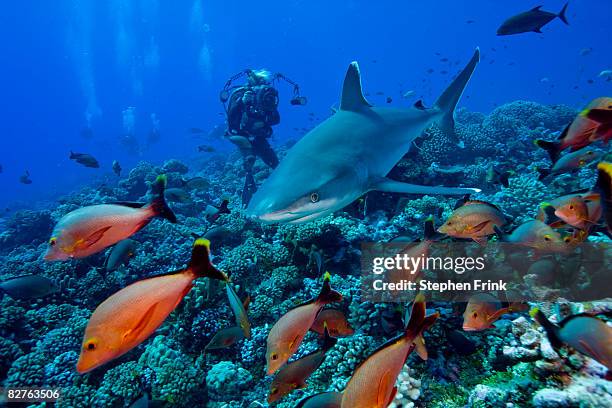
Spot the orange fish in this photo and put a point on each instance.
(288, 332)
(336, 323)
(89, 230)
(130, 316)
(483, 310)
(415, 250)
(293, 376)
(373, 382)
(580, 210)
(582, 131)
(475, 220)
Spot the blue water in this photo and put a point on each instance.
(63, 59)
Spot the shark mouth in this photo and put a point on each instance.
(292, 217)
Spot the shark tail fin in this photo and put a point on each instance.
(449, 98)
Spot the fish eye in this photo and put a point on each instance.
(90, 345)
(571, 207)
(567, 239)
(475, 314)
(547, 237)
(274, 391)
(53, 241)
(274, 356)
(449, 223)
(590, 152)
(314, 197)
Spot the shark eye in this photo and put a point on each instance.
(314, 197)
(53, 241)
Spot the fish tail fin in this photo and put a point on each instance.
(430, 233)
(327, 294)
(417, 317)
(449, 98)
(561, 14)
(200, 264)
(72, 155)
(543, 173)
(551, 329)
(552, 148)
(601, 116)
(159, 205)
(328, 340)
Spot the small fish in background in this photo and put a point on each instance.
(534, 234)
(607, 74)
(470, 21)
(1, 169)
(460, 343)
(430, 70)
(288, 332)
(28, 287)
(85, 159)
(389, 99)
(483, 310)
(212, 213)
(120, 254)
(195, 130)
(293, 376)
(380, 93)
(335, 321)
(409, 94)
(197, 183)
(217, 233)
(585, 51)
(239, 308)
(583, 332)
(25, 178)
(331, 399)
(495, 176)
(206, 149)
(89, 230)
(373, 382)
(544, 80)
(225, 338)
(530, 21)
(581, 132)
(177, 195)
(130, 316)
(571, 162)
(117, 168)
(474, 220)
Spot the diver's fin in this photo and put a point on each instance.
(392, 186)
(449, 98)
(561, 14)
(352, 95)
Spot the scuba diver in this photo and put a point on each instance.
(252, 110)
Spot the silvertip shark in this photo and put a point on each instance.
(351, 152)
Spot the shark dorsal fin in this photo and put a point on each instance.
(352, 96)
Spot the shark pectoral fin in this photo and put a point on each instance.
(352, 96)
(392, 186)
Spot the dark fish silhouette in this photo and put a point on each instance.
(85, 159)
(530, 21)
(28, 287)
(116, 168)
(25, 178)
(120, 254)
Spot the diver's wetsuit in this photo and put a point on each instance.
(251, 113)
